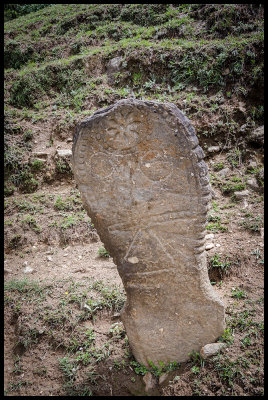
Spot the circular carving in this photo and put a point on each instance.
(101, 165)
(122, 133)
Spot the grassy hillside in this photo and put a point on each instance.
(207, 59)
(62, 63)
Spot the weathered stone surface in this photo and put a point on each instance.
(144, 184)
(211, 349)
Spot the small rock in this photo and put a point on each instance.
(213, 149)
(257, 136)
(224, 172)
(69, 140)
(49, 252)
(209, 246)
(210, 349)
(65, 153)
(49, 258)
(243, 128)
(213, 194)
(133, 260)
(253, 184)
(209, 236)
(262, 232)
(251, 165)
(28, 270)
(114, 64)
(242, 194)
(25, 263)
(7, 270)
(218, 245)
(40, 155)
(163, 378)
(226, 71)
(116, 316)
(149, 381)
(260, 174)
(245, 204)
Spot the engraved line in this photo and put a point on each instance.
(163, 248)
(130, 247)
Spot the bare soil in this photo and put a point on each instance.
(44, 327)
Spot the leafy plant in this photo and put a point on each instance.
(238, 293)
(102, 252)
(221, 266)
(227, 336)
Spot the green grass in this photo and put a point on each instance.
(219, 264)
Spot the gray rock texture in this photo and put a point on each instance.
(144, 184)
(257, 136)
(211, 349)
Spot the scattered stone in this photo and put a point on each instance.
(145, 186)
(69, 140)
(245, 203)
(213, 149)
(226, 71)
(253, 184)
(209, 246)
(40, 155)
(150, 381)
(7, 270)
(224, 172)
(49, 258)
(251, 165)
(163, 378)
(116, 316)
(241, 194)
(64, 153)
(209, 236)
(213, 194)
(243, 128)
(211, 349)
(113, 66)
(28, 270)
(257, 136)
(260, 175)
(218, 245)
(49, 252)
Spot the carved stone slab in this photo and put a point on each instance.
(144, 184)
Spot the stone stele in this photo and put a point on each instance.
(144, 184)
